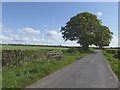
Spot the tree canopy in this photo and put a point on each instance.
(87, 30)
(103, 37)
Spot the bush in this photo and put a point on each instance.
(111, 51)
(116, 53)
(72, 50)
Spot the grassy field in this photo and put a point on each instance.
(114, 62)
(4, 47)
(25, 74)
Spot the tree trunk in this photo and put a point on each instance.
(100, 46)
(85, 47)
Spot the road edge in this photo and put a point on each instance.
(111, 68)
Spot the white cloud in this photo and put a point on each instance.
(6, 30)
(2, 37)
(114, 42)
(54, 34)
(52, 38)
(16, 39)
(99, 14)
(29, 31)
(5, 39)
(55, 38)
(45, 25)
(13, 36)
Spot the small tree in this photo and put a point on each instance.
(81, 28)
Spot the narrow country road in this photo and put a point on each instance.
(91, 71)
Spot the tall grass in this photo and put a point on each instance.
(26, 74)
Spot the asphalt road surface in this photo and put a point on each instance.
(91, 71)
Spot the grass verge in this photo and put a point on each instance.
(114, 63)
(26, 74)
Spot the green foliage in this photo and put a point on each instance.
(85, 29)
(114, 52)
(102, 37)
(72, 50)
(79, 50)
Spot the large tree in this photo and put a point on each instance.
(83, 28)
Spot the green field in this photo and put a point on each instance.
(26, 74)
(20, 76)
(4, 47)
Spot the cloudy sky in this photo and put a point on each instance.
(40, 23)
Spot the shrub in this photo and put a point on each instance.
(72, 50)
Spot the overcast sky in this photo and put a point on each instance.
(40, 23)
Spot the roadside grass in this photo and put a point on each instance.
(1, 77)
(26, 74)
(114, 63)
(4, 47)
